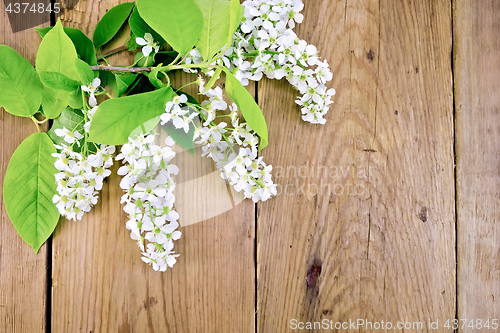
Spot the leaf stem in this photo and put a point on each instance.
(107, 93)
(150, 165)
(41, 121)
(85, 119)
(175, 60)
(36, 123)
(257, 181)
(184, 58)
(188, 84)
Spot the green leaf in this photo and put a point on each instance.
(75, 99)
(250, 110)
(145, 61)
(115, 119)
(131, 43)
(20, 87)
(53, 102)
(179, 22)
(120, 83)
(58, 81)
(57, 53)
(135, 84)
(83, 45)
(28, 190)
(111, 82)
(214, 34)
(84, 72)
(214, 78)
(111, 23)
(141, 85)
(105, 76)
(123, 81)
(43, 31)
(71, 119)
(236, 12)
(139, 27)
(153, 77)
(147, 127)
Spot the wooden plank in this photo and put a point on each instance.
(23, 275)
(366, 230)
(100, 284)
(477, 69)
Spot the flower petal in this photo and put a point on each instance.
(141, 41)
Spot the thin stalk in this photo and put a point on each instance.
(85, 134)
(255, 53)
(187, 84)
(184, 58)
(35, 121)
(42, 121)
(121, 69)
(175, 60)
(107, 93)
(257, 181)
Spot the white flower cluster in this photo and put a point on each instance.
(251, 175)
(149, 198)
(263, 45)
(80, 177)
(91, 89)
(226, 147)
(81, 174)
(233, 149)
(180, 117)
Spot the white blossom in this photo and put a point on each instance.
(149, 200)
(91, 88)
(79, 179)
(179, 115)
(68, 136)
(265, 44)
(234, 151)
(148, 44)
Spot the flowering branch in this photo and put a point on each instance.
(121, 69)
(260, 42)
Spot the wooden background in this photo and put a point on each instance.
(402, 226)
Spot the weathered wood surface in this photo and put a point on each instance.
(365, 223)
(23, 275)
(366, 229)
(477, 105)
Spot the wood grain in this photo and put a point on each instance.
(365, 223)
(100, 284)
(385, 250)
(23, 275)
(477, 103)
